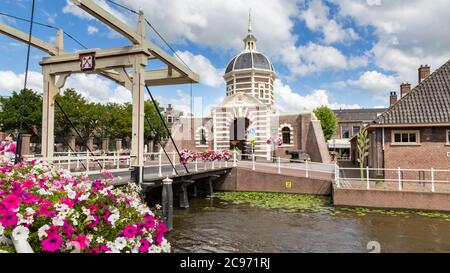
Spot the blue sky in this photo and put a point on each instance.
(345, 54)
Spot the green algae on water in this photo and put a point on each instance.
(284, 201)
(312, 203)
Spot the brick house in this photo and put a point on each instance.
(350, 123)
(414, 133)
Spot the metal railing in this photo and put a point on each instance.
(395, 179)
(286, 166)
(398, 179)
(87, 163)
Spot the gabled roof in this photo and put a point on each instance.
(360, 115)
(427, 103)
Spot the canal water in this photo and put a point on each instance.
(213, 225)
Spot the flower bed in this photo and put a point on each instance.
(56, 212)
(192, 156)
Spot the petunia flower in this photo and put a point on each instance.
(52, 244)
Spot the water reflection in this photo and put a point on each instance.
(210, 225)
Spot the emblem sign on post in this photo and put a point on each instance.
(87, 61)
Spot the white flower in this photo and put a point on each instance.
(2, 229)
(29, 220)
(20, 233)
(62, 208)
(100, 239)
(113, 218)
(42, 231)
(90, 218)
(84, 197)
(71, 194)
(120, 243)
(42, 191)
(58, 221)
(85, 211)
(30, 210)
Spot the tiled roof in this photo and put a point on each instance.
(364, 115)
(429, 102)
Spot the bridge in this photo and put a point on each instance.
(165, 177)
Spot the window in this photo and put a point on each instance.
(345, 132)
(169, 119)
(356, 130)
(448, 137)
(405, 137)
(202, 137)
(261, 93)
(286, 133)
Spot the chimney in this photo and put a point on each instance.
(393, 98)
(404, 89)
(424, 71)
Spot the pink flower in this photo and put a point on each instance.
(28, 184)
(130, 231)
(94, 223)
(104, 248)
(145, 245)
(83, 241)
(94, 250)
(52, 244)
(9, 219)
(29, 198)
(67, 202)
(52, 231)
(149, 221)
(106, 216)
(11, 202)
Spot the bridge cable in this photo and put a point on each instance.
(18, 154)
(165, 126)
(76, 130)
(44, 25)
(153, 28)
(165, 152)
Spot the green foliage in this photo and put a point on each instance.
(111, 120)
(11, 109)
(328, 120)
(363, 150)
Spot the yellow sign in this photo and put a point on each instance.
(288, 184)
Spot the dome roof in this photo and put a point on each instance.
(249, 60)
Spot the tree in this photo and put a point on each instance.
(363, 150)
(11, 111)
(328, 120)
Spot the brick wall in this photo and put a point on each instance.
(392, 199)
(240, 179)
(430, 153)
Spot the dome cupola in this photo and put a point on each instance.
(251, 72)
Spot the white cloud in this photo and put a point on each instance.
(97, 89)
(375, 82)
(410, 33)
(73, 9)
(10, 81)
(51, 18)
(209, 75)
(92, 87)
(289, 101)
(313, 58)
(92, 30)
(317, 18)
(180, 102)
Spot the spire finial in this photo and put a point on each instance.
(250, 21)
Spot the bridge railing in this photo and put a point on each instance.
(293, 167)
(97, 162)
(394, 179)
